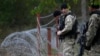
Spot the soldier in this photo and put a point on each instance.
(67, 28)
(92, 34)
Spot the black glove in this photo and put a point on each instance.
(88, 47)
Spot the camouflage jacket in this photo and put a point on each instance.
(93, 26)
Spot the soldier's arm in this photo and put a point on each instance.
(69, 21)
(92, 29)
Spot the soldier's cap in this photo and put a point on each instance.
(94, 6)
(56, 13)
(64, 6)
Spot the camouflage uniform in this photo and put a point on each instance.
(67, 44)
(93, 26)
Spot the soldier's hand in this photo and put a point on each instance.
(88, 46)
(59, 32)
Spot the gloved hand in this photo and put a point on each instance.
(59, 32)
(87, 46)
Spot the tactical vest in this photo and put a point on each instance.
(62, 25)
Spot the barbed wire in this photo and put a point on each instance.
(47, 16)
(48, 23)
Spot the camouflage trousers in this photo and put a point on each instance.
(67, 46)
(77, 50)
(95, 51)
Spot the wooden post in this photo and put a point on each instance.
(38, 32)
(57, 37)
(38, 22)
(49, 39)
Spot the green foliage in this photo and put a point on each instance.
(44, 6)
(6, 11)
(75, 1)
(95, 2)
(15, 12)
(36, 10)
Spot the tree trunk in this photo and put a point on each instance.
(83, 10)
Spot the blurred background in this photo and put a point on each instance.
(20, 15)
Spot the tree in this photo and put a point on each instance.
(83, 9)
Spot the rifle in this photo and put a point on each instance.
(82, 39)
